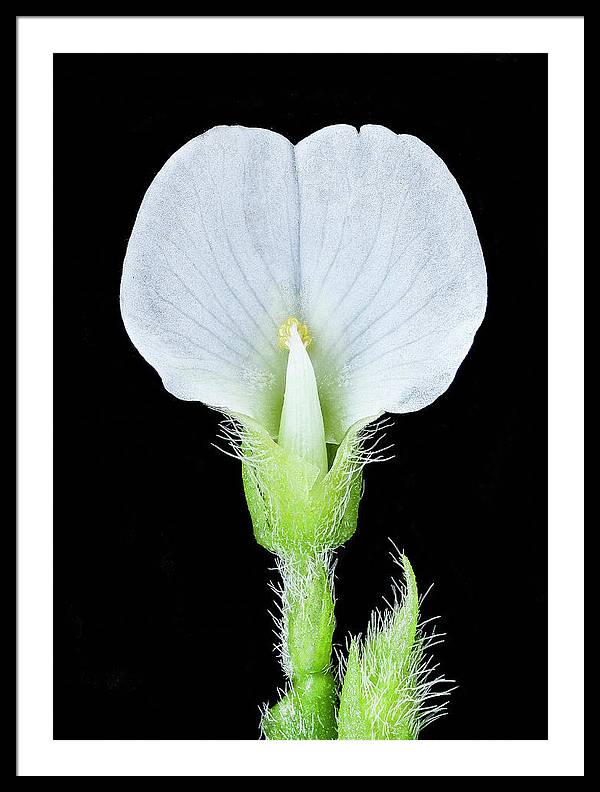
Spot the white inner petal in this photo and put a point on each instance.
(301, 430)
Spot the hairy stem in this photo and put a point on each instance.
(307, 711)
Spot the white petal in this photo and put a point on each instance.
(212, 270)
(301, 430)
(393, 282)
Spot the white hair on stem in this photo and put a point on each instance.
(292, 590)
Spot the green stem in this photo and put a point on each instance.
(308, 709)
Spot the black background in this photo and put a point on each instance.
(161, 596)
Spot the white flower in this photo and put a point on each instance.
(360, 242)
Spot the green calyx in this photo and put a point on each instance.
(297, 509)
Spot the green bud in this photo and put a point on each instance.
(387, 686)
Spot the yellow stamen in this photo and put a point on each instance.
(285, 330)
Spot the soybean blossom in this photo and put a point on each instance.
(304, 291)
